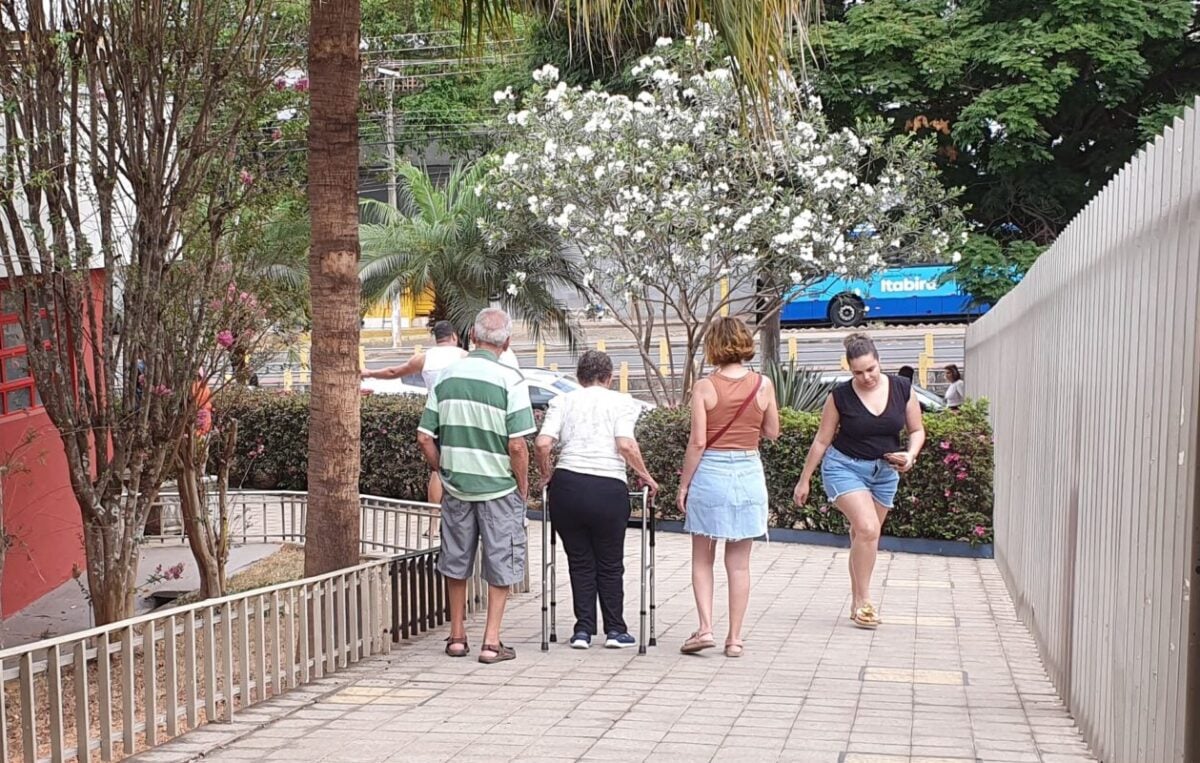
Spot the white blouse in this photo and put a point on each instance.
(587, 422)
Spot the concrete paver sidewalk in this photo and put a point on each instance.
(952, 675)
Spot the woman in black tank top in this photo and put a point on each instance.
(861, 457)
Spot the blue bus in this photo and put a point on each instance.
(909, 293)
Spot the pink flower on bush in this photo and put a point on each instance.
(961, 476)
(824, 509)
(951, 458)
(161, 390)
(301, 85)
(225, 338)
(944, 445)
(280, 83)
(246, 177)
(979, 531)
(949, 492)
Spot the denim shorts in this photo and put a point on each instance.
(842, 474)
(727, 499)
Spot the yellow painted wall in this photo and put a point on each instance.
(408, 307)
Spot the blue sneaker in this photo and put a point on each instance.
(581, 640)
(620, 640)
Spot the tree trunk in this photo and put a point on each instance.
(769, 328)
(112, 581)
(332, 525)
(197, 520)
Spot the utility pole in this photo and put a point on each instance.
(393, 197)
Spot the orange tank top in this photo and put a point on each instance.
(745, 431)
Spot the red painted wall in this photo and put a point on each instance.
(40, 513)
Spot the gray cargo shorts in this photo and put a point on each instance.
(499, 523)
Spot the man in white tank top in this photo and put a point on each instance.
(430, 365)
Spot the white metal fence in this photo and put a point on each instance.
(111, 691)
(1092, 366)
(389, 526)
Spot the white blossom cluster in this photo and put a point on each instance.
(667, 190)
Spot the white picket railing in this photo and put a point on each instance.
(389, 525)
(125, 687)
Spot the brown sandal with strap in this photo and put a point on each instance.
(452, 641)
(503, 653)
(698, 642)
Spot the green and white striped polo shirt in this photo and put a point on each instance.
(474, 409)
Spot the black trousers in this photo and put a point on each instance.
(590, 515)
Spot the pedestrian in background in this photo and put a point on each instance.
(956, 393)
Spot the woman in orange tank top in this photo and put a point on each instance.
(722, 490)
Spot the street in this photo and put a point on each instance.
(815, 348)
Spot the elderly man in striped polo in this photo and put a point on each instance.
(473, 434)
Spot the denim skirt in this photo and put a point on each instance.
(841, 474)
(727, 499)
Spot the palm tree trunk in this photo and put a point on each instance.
(332, 525)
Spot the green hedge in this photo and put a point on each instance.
(934, 501)
(947, 495)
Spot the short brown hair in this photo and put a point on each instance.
(593, 367)
(728, 341)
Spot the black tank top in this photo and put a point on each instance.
(863, 435)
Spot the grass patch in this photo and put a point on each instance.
(283, 566)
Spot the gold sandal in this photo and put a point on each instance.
(866, 616)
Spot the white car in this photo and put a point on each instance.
(543, 386)
(391, 387)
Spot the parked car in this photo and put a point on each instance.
(543, 387)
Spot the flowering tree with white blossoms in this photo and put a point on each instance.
(679, 212)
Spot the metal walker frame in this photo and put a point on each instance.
(644, 520)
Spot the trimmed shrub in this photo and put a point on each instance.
(946, 496)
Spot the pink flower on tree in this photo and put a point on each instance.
(225, 338)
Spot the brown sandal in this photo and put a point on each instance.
(698, 642)
(734, 648)
(451, 641)
(503, 653)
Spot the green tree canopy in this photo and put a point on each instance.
(1035, 103)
